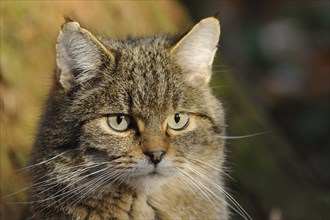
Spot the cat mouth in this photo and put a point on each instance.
(160, 172)
(151, 177)
(155, 172)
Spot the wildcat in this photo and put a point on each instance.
(131, 129)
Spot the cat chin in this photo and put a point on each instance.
(151, 178)
(150, 183)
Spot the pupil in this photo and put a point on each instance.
(120, 118)
(177, 118)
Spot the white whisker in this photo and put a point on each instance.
(64, 191)
(43, 162)
(195, 161)
(243, 136)
(198, 186)
(238, 208)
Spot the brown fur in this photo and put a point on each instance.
(83, 169)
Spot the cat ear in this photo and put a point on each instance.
(79, 55)
(196, 50)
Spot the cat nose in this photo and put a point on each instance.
(155, 156)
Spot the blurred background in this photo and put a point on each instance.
(272, 74)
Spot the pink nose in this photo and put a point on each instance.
(155, 156)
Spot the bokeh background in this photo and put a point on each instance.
(272, 73)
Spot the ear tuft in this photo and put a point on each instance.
(196, 50)
(217, 15)
(67, 19)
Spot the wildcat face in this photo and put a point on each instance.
(149, 93)
(132, 114)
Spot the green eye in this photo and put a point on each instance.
(178, 121)
(119, 122)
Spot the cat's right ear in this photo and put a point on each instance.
(79, 55)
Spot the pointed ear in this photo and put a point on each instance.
(79, 55)
(196, 50)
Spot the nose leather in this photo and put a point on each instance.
(155, 156)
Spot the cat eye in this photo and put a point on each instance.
(119, 122)
(178, 121)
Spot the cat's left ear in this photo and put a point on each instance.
(196, 50)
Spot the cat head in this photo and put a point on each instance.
(132, 113)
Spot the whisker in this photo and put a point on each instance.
(96, 184)
(89, 186)
(64, 191)
(63, 178)
(221, 199)
(43, 162)
(209, 191)
(49, 181)
(239, 209)
(222, 71)
(220, 65)
(214, 87)
(194, 160)
(243, 136)
(199, 186)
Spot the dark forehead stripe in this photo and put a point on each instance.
(147, 72)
